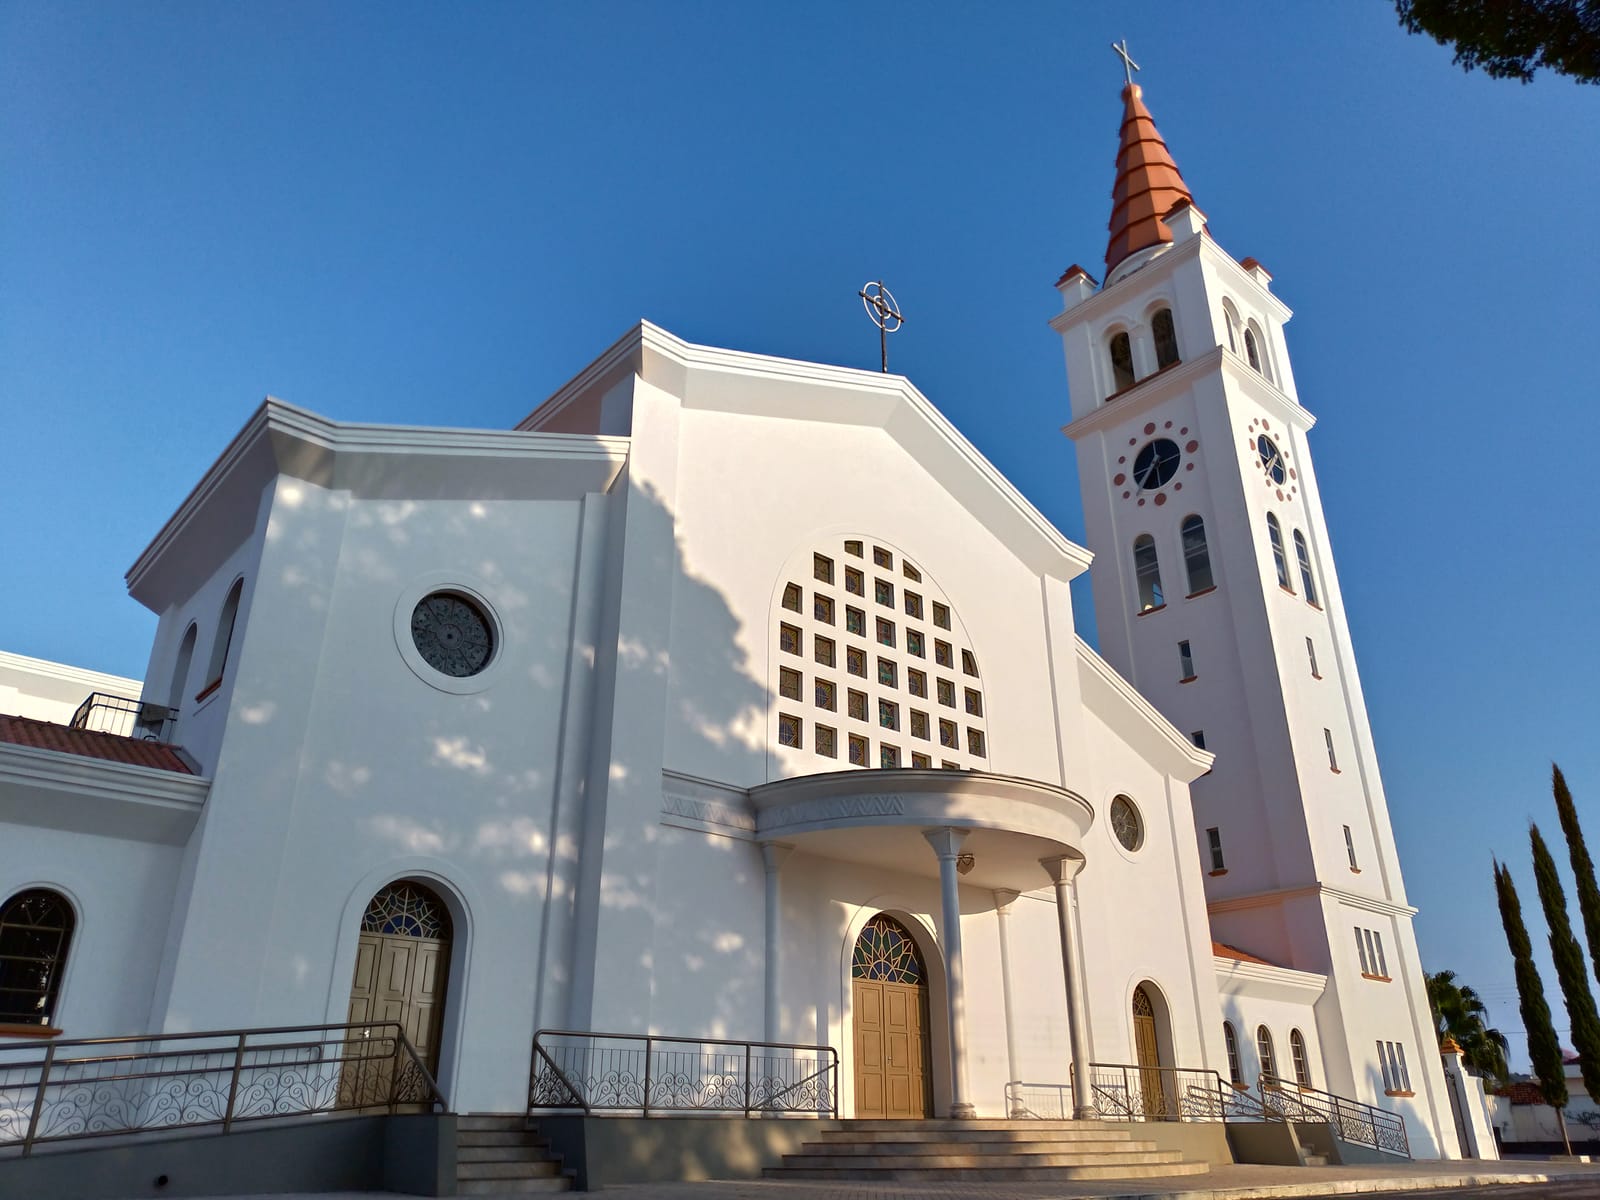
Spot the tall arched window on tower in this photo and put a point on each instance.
(1147, 569)
(1121, 362)
(1251, 350)
(1196, 554)
(219, 648)
(1166, 338)
(35, 935)
(1275, 536)
(1307, 584)
(180, 669)
(1230, 320)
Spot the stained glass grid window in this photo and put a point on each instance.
(919, 724)
(855, 661)
(822, 567)
(853, 548)
(824, 651)
(888, 673)
(407, 909)
(969, 663)
(947, 693)
(949, 735)
(921, 760)
(822, 609)
(975, 743)
(914, 643)
(885, 632)
(35, 934)
(789, 683)
(858, 705)
(882, 557)
(941, 615)
(827, 695)
(913, 604)
(858, 751)
(910, 572)
(855, 621)
(789, 731)
(917, 683)
(827, 743)
(888, 757)
(974, 703)
(855, 582)
(885, 950)
(789, 639)
(888, 714)
(791, 597)
(883, 592)
(944, 654)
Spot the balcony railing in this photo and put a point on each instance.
(108, 1087)
(1353, 1121)
(654, 1076)
(1126, 1092)
(105, 713)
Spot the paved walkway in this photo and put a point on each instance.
(1532, 1178)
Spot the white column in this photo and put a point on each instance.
(1062, 870)
(946, 843)
(773, 855)
(1002, 910)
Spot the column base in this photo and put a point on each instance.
(963, 1112)
(1086, 1112)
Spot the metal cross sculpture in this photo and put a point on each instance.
(1128, 65)
(885, 313)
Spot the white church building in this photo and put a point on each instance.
(729, 696)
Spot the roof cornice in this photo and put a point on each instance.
(58, 790)
(95, 681)
(1277, 896)
(875, 399)
(1183, 758)
(1267, 981)
(282, 439)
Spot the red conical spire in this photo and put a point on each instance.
(1148, 184)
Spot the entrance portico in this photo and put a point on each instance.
(999, 835)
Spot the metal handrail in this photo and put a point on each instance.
(106, 712)
(1354, 1121)
(646, 1074)
(1129, 1092)
(167, 1081)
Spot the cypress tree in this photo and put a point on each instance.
(1571, 969)
(1544, 1049)
(1582, 866)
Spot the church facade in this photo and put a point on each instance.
(732, 696)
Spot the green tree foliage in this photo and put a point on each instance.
(1582, 865)
(1458, 1012)
(1544, 1050)
(1511, 39)
(1571, 970)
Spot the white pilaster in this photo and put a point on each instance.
(946, 843)
(1002, 909)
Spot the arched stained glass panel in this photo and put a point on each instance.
(408, 910)
(35, 935)
(886, 950)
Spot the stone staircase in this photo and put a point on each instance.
(497, 1156)
(982, 1150)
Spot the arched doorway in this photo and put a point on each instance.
(403, 965)
(889, 1004)
(1147, 1048)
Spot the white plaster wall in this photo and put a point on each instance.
(121, 894)
(340, 769)
(47, 691)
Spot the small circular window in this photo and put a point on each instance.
(452, 634)
(1126, 823)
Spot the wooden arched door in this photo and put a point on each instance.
(403, 965)
(889, 1007)
(1147, 1046)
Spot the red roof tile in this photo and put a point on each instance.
(1223, 950)
(1148, 185)
(135, 752)
(1520, 1093)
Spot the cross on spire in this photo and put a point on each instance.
(1128, 65)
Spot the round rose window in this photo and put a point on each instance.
(452, 634)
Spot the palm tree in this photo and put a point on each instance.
(1458, 1012)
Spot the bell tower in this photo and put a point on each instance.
(1216, 595)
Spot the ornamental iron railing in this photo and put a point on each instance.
(102, 712)
(656, 1076)
(106, 1087)
(1128, 1092)
(1353, 1121)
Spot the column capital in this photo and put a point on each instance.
(774, 855)
(1062, 868)
(946, 840)
(1003, 898)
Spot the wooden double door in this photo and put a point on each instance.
(891, 1049)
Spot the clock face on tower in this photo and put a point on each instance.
(1159, 459)
(1262, 448)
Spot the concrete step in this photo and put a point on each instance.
(992, 1174)
(466, 1154)
(507, 1170)
(526, 1137)
(505, 1187)
(952, 1146)
(1148, 1158)
(492, 1120)
(986, 1123)
(1011, 1136)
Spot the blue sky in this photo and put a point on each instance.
(430, 214)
